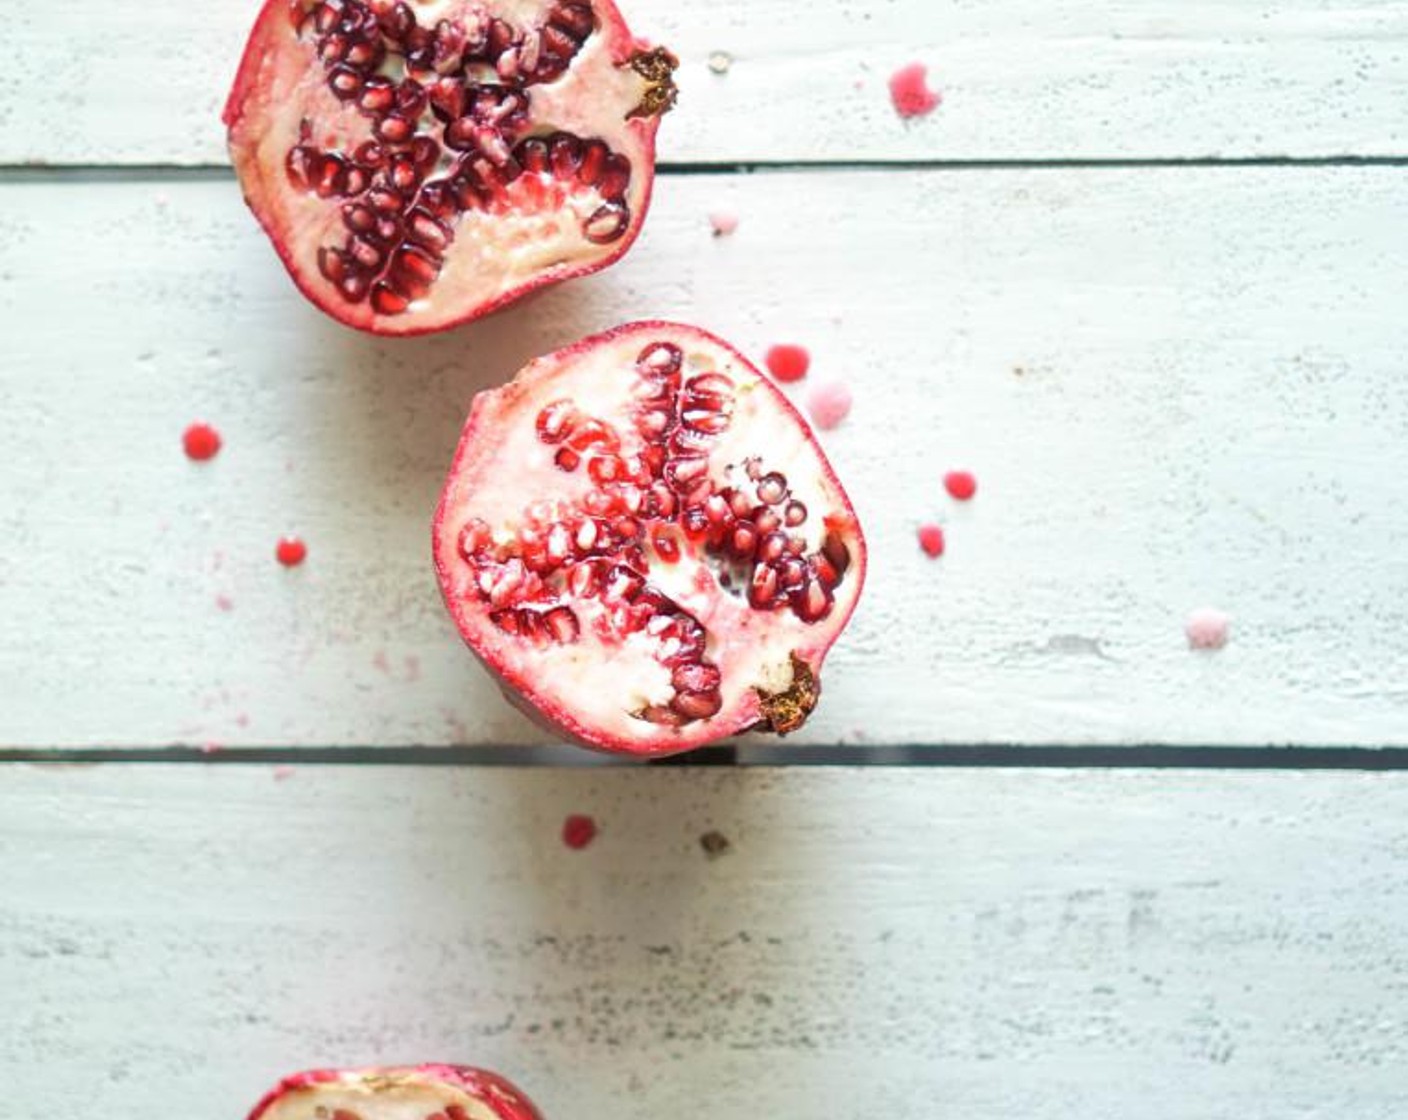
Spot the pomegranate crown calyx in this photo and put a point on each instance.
(657, 67)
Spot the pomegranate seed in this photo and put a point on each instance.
(365, 253)
(615, 176)
(566, 155)
(961, 485)
(415, 270)
(762, 588)
(474, 538)
(607, 223)
(583, 580)
(794, 514)
(556, 421)
(666, 547)
(353, 287)
(696, 677)
(331, 176)
(427, 232)
(697, 705)
(931, 540)
(743, 542)
(705, 421)
(533, 155)
(345, 82)
(290, 552)
(772, 488)
(378, 96)
(835, 551)
(410, 98)
(562, 624)
(791, 574)
(201, 442)
(387, 301)
(567, 459)
(394, 129)
(575, 18)
(385, 201)
(332, 263)
(447, 98)
(811, 602)
(788, 362)
(765, 519)
(364, 54)
(593, 163)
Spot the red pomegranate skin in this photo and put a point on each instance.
(504, 1100)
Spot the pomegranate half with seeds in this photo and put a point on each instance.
(642, 539)
(428, 1092)
(420, 164)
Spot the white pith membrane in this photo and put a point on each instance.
(504, 234)
(602, 674)
(378, 1096)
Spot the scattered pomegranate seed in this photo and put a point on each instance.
(1207, 628)
(291, 552)
(578, 831)
(931, 540)
(829, 404)
(724, 223)
(787, 362)
(910, 92)
(201, 442)
(961, 485)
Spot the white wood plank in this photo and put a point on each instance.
(1033, 944)
(1177, 388)
(96, 82)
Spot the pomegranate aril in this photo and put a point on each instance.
(426, 231)
(705, 421)
(533, 155)
(575, 18)
(394, 129)
(791, 574)
(593, 163)
(685, 443)
(366, 254)
(772, 488)
(385, 201)
(334, 47)
(584, 580)
(697, 705)
(415, 270)
(378, 96)
(743, 541)
(666, 547)
(794, 514)
(460, 133)
(356, 180)
(330, 178)
(812, 602)
(562, 625)
(615, 177)
(666, 717)
(836, 552)
(696, 677)
(387, 301)
(332, 263)
(354, 286)
(660, 502)
(325, 16)
(475, 536)
(556, 421)
(364, 54)
(388, 232)
(447, 98)
(437, 201)
(740, 504)
(425, 152)
(397, 21)
(626, 528)
(299, 164)
(605, 469)
(567, 459)
(593, 433)
(765, 519)
(762, 588)
(345, 82)
(565, 152)
(558, 43)
(410, 98)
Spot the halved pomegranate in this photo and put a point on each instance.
(642, 539)
(427, 1092)
(417, 165)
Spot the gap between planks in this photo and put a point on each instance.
(990, 757)
(145, 172)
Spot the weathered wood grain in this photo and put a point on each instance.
(94, 82)
(971, 944)
(1176, 388)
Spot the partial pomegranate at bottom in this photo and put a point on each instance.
(642, 539)
(426, 1092)
(417, 165)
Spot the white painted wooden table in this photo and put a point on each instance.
(1145, 272)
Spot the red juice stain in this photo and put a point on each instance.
(578, 830)
(931, 540)
(961, 485)
(291, 551)
(788, 362)
(201, 442)
(910, 92)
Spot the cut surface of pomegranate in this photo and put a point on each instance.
(417, 165)
(641, 538)
(426, 1092)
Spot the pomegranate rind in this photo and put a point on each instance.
(487, 1094)
(778, 705)
(261, 128)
